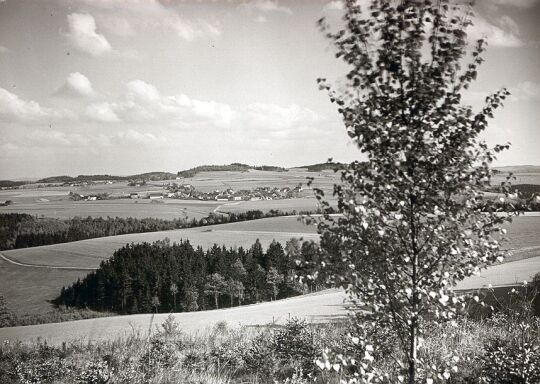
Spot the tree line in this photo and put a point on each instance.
(164, 277)
(233, 167)
(20, 230)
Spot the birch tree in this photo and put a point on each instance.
(415, 220)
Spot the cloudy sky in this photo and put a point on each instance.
(126, 86)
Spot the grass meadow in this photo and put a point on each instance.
(286, 353)
(167, 209)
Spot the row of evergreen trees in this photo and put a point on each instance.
(19, 230)
(164, 277)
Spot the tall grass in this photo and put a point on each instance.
(223, 355)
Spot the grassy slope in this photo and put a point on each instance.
(89, 253)
(319, 307)
(164, 209)
(27, 289)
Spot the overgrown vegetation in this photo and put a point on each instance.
(164, 277)
(275, 354)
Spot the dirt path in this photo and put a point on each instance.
(45, 266)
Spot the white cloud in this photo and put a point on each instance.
(143, 104)
(135, 137)
(335, 5)
(131, 16)
(76, 85)
(13, 108)
(272, 117)
(102, 112)
(191, 30)
(3, 49)
(270, 6)
(82, 33)
(50, 137)
(504, 33)
(266, 6)
(141, 90)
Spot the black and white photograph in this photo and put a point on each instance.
(270, 191)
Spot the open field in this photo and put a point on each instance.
(524, 174)
(89, 253)
(34, 286)
(53, 201)
(167, 209)
(318, 307)
(285, 205)
(210, 181)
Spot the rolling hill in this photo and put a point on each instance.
(30, 277)
(324, 306)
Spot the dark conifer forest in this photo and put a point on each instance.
(20, 230)
(164, 277)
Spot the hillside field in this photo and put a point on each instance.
(27, 289)
(167, 209)
(33, 286)
(318, 307)
(53, 201)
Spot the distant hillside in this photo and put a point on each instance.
(153, 176)
(330, 165)
(519, 169)
(80, 178)
(235, 167)
(11, 184)
(150, 176)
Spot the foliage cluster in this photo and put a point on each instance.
(142, 278)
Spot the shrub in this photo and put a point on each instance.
(511, 362)
(161, 353)
(196, 360)
(259, 355)
(37, 371)
(295, 348)
(95, 372)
